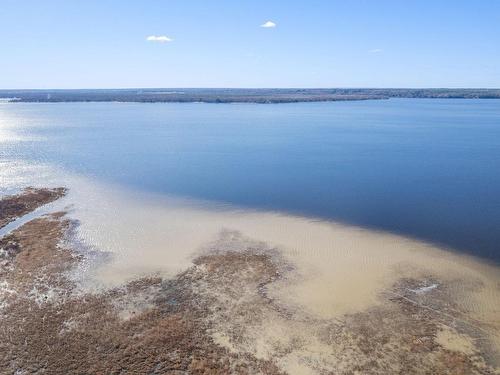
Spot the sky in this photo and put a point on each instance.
(249, 43)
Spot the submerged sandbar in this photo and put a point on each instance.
(204, 290)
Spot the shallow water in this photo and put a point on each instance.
(422, 168)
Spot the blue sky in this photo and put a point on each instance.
(103, 44)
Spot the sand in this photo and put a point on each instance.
(337, 268)
(287, 293)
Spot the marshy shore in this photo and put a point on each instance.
(228, 311)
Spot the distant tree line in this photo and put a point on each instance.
(239, 95)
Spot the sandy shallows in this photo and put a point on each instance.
(338, 269)
(149, 326)
(204, 290)
(418, 324)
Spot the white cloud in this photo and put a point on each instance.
(268, 24)
(158, 38)
(376, 50)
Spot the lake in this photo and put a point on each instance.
(423, 168)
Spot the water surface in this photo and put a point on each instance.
(422, 168)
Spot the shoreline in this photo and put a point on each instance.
(226, 313)
(14, 206)
(222, 95)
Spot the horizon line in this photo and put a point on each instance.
(254, 88)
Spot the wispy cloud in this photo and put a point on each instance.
(268, 24)
(375, 50)
(159, 38)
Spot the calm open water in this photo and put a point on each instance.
(425, 168)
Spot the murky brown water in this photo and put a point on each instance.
(334, 271)
(337, 270)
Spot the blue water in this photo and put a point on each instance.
(425, 168)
